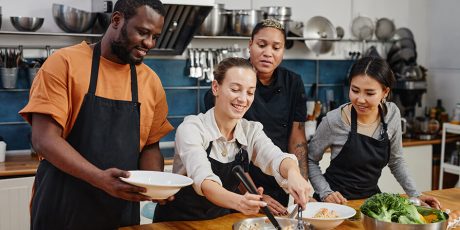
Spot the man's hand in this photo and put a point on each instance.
(109, 181)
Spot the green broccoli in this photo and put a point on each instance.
(384, 206)
(392, 208)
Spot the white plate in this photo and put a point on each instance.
(159, 185)
(312, 208)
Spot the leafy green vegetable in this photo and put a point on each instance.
(428, 213)
(392, 208)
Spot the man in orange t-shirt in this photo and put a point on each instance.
(97, 111)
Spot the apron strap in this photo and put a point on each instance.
(208, 150)
(95, 72)
(354, 118)
(382, 119)
(94, 68)
(240, 157)
(133, 83)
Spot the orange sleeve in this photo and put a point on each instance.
(160, 125)
(48, 94)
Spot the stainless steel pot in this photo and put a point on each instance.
(245, 21)
(277, 11)
(215, 23)
(370, 223)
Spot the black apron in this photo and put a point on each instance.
(106, 133)
(188, 205)
(356, 170)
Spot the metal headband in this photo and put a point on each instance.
(270, 22)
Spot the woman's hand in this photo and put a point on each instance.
(299, 188)
(430, 201)
(250, 204)
(335, 197)
(275, 207)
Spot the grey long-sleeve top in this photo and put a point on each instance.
(333, 133)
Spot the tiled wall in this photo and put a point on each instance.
(184, 94)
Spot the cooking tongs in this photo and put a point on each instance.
(238, 171)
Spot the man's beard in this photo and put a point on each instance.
(120, 49)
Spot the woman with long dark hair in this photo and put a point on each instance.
(364, 136)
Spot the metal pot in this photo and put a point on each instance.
(245, 21)
(277, 11)
(215, 23)
(371, 223)
(280, 13)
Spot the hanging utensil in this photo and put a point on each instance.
(204, 66)
(192, 70)
(239, 172)
(403, 32)
(211, 65)
(340, 32)
(384, 29)
(319, 28)
(198, 70)
(362, 28)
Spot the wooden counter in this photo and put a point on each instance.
(449, 198)
(417, 142)
(19, 165)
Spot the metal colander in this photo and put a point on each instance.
(384, 29)
(362, 28)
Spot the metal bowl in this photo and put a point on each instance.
(264, 224)
(27, 23)
(370, 223)
(73, 20)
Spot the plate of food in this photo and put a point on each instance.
(323, 215)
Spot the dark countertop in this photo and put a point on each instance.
(26, 164)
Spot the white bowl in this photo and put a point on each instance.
(159, 185)
(312, 208)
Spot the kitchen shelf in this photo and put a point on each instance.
(14, 90)
(292, 38)
(445, 166)
(49, 34)
(13, 123)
